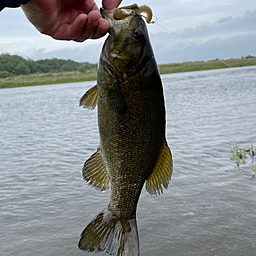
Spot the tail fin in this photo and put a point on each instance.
(111, 234)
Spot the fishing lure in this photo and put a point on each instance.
(146, 9)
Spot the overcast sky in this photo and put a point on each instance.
(221, 28)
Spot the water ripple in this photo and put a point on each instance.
(209, 208)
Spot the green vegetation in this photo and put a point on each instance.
(16, 65)
(241, 154)
(48, 78)
(205, 65)
(16, 71)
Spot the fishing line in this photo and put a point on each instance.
(154, 22)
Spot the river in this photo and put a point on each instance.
(209, 208)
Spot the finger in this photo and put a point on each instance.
(71, 31)
(90, 27)
(109, 5)
(94, 7)
(102, 29)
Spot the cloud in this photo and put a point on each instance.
(173, 50)
(226, 38)
(89, 53)
(224, 20)
(225, 27)
(179, 51)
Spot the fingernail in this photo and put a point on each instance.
(95, 21)
(82, 22)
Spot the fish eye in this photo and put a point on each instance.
(136, 32)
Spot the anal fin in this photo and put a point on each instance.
(90, 98)
(94, 172)
(161, 175)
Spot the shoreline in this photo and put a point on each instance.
(91, 75)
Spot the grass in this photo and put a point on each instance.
(205, 65)
(49, 78)
(91, 75)
(240, 155)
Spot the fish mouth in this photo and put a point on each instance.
(121, 15)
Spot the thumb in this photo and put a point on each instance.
(110, 4)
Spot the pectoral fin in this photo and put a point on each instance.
(161, 175)
(90, 98)
(94, 172)
(116, 98)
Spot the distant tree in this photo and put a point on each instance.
(249, 56)
(32, 66)
(22, 69)
(74, 64)
(83, 68)
(46, 65)
(66, 67)
(10, 63)
(4, 74)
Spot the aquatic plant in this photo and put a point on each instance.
(241, 154)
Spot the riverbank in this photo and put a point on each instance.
(205, 65)
(48, 78)
(90, 75)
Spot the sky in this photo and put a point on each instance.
(185, 30)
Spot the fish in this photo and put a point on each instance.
(133, 150)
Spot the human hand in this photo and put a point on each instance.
(75, 20)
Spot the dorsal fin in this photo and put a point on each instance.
(161, 175)
(94, 172)
(90, 98)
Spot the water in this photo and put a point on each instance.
(209, 208)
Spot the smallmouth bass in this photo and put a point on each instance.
(131, 118)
